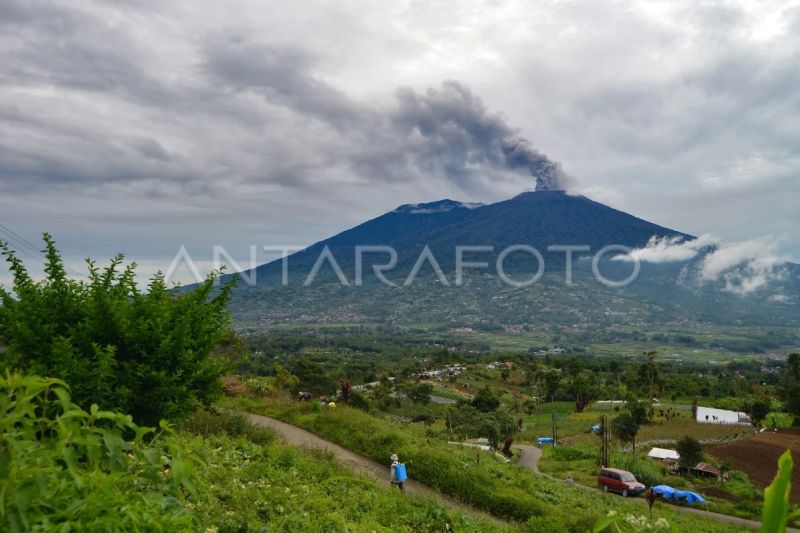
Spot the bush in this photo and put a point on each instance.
(206, 423)
(645, 470)
(70, 470)
(259, 386)
(149, 353)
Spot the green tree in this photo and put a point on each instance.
(624, 427)
(691, 452)
(725, 468)
(582, 388)
(650, 374)
(148, 353)
(495, 426)
(552, 382)
(313, 378)
(789, 390)
(420, 393)
(758, 411)
(485, 401)
(641, 411)
(285, 382)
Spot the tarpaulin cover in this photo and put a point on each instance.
(668, 493)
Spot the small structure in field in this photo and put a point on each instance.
(710, 415)
(668, 457)
(706, 470)
(663, 454)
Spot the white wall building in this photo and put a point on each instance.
(710, 415)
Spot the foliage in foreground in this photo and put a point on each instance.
(62, 468)
(777, 509)
(65, 469)
(149, 354)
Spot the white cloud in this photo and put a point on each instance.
(670, 249)
(744, 266)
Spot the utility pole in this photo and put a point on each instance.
(555, 430)
(604, 441)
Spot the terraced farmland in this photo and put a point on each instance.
(758, 457)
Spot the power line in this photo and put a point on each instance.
(32, 251)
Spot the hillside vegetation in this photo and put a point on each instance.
(66, 469)
(500, 488)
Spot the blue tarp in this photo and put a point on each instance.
(544, 440)
(596, 428)
(665, 491)
(689, 497)
(674, 495)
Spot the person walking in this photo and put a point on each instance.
(398, 472)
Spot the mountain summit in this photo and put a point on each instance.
(412, 240)
(538, 219)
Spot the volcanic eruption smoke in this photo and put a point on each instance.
(548, 174)
(460, 138)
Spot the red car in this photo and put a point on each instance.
(622, 481)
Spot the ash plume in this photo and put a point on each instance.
(461, 136)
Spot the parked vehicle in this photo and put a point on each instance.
(621, 481)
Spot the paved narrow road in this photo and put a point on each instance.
(300, 437)
(530, 456)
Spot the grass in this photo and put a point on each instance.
(502, 489)
(736, 497)
(243, 487)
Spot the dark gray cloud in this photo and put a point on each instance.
(460, 134)
(283, 74)
(443, 132)
(171, 123)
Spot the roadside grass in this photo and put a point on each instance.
(736, 497)
(504, 490)
(243, 486)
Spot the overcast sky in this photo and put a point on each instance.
(138, 127)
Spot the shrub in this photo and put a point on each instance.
(233, 386)
(645, 470)
(259, 386)
(149, 353)
(70, 470)
(206, 423)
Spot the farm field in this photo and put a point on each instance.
(757, 457)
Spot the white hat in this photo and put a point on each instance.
(393, 457)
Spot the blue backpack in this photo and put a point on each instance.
(400, 472)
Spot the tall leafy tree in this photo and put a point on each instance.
(625, 428)
(691, 452)
(790, 387)
(758, 411)
(485, 400)
(148, 353)
(650, 374)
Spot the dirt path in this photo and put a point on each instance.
(530, 456)
(300, 437)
